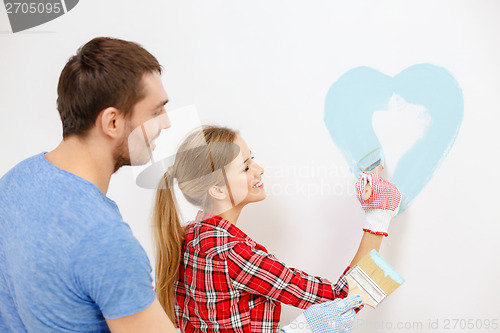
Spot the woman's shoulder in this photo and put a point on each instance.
(210, 240)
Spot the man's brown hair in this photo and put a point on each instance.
(105, 72)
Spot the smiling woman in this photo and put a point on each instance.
(214, 265)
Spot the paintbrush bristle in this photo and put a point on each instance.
(380, 272)
(371, 160)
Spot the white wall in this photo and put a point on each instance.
(264, 67)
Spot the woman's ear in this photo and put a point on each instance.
(217, 192)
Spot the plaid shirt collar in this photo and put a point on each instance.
(216, 221)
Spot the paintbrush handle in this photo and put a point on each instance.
(367, 192)
(354, 289)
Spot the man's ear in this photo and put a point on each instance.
(217, 192)
(110, 120)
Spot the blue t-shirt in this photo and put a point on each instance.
(67, 259)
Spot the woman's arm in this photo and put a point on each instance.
(368, 243)
(255, 271)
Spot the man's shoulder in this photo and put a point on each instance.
(51, 201)
(22, 168)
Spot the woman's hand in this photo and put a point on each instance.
(335, 316)
(382, 204)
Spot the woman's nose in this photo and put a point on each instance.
(258, 169)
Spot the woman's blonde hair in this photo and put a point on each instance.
(197, 161)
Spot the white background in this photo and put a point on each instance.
(264, 67)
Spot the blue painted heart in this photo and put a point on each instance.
(356, 95)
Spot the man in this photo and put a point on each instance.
(68, 262)
(67, 259)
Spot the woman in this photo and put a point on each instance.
(221, 278)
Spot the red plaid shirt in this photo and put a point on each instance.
(227, 282)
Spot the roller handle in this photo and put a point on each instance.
(367, 192)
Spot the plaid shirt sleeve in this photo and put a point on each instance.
(255, 271)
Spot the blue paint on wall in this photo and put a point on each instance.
(386, 267)
(354, 97)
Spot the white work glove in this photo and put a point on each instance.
(335, 316)
(381, 206)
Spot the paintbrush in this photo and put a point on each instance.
(373, 279)
(373, 161)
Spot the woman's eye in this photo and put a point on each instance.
(248, 167)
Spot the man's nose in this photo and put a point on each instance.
(164, 121)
